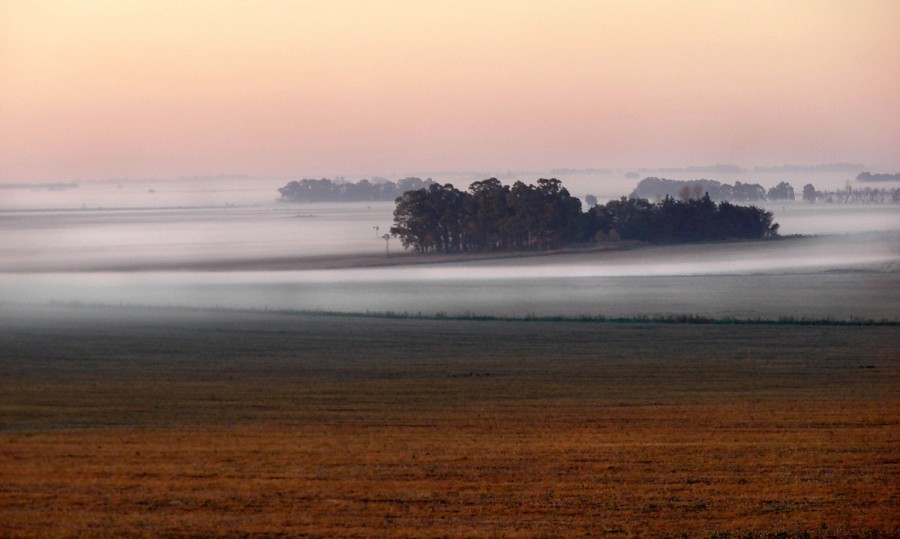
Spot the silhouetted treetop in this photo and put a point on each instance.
(491, 216)
(658, 188)
(782, 191)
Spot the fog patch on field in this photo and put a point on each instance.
(843, 277)
(100, 243)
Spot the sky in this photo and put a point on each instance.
(136, 89)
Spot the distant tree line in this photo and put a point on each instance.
(851, 195)
(707, 169)
(811, 169)
(40, 186)
(326, 190)
(869, 177)
(658, 188)
(679, 221)
(491, 216)
(734, 169)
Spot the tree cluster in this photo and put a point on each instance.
(326, 190)
(491, 216)
(679, 221)
(782, 191)
(658, 188)
(851, 195)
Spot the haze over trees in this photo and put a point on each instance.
(852, 195)
(491, 216)
(658, 188)
(869, 177)
(57, 186)
(654, 188)
(734, 169)
(326, 190)
(782, 191)
(809, 193)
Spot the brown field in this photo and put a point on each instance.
(170, 423)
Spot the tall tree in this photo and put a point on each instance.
(809, 193)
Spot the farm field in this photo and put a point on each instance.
(171, 422)
(343, 269)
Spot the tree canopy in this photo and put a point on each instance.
(658, 188)
(491, 216)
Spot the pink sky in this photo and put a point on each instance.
(100, 89)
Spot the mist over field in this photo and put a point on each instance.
(126, 243)
(209, 325)
(150, 176)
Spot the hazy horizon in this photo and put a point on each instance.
(104, 89)
(689, 172)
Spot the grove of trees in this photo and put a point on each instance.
(658, 188)
(782, 191)
(491, 216)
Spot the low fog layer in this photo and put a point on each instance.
(129, 239)
(839, 277)
(821, 295)
(95, 255)
(95, 238)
